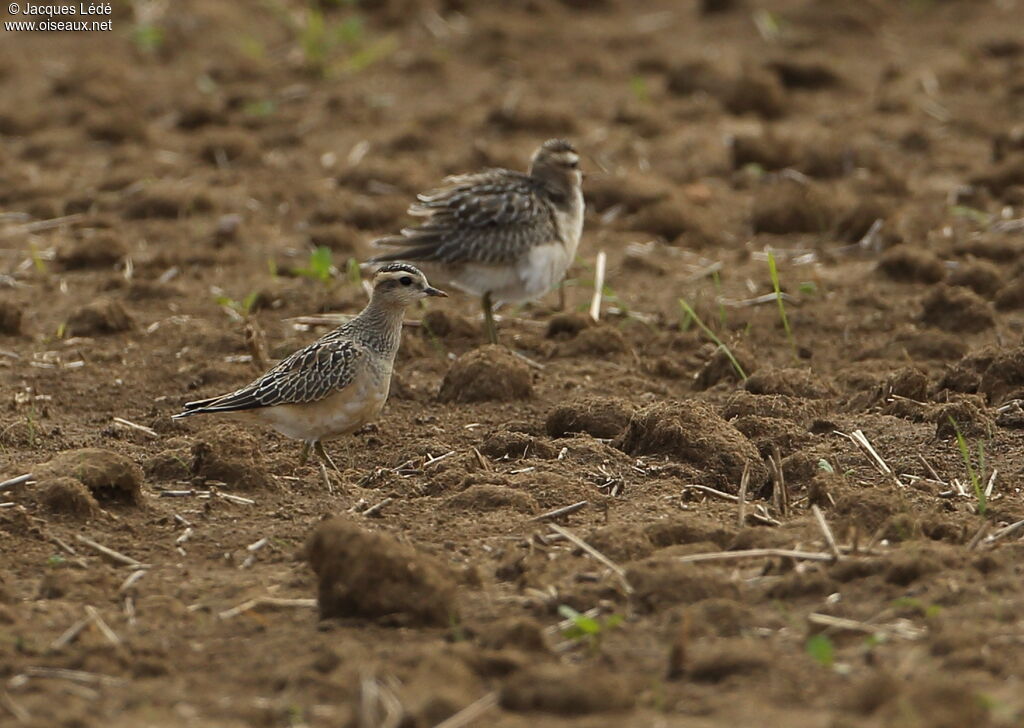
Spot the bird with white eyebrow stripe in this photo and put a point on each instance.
(337, 384)
(505, 236)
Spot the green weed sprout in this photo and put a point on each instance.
(965, 453)
(320, 266)
(148, 37)
(586, 629)
(243, 307)
(820, 648)
(692, 315)
(638, 85)
(774, 273)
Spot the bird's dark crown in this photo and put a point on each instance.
(399, 268)
(558, 145)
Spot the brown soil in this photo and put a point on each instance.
(161, 188)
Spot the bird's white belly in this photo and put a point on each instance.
(533, 275)
(338, 414)
(541, 270)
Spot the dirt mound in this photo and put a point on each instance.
(956, 309)
(720, 617)
(768, 151)
(98, 251)
(786, 207)
(909, 382)
(981, 276)
(371, 575)
(1001, 177)
(791, 382)
(632, 191)
(522, 633)
(449, 326)
(659, 582)
(231, 457)
(103, 316)
(488, 374)
(866, 510)
(911, 265)
(935, 701)
(110, 477)
(692, 432)
(172, 463)
(163, 201)
(1003, 379)
(779, 406)
(769, 432)
(1009, 298)
(566, 691)
(485, 498)
(725, 658)
(603, 417)
(808, 75)
(719, 367)
(757, 92)
(513, 445)
(10, 318)
(596, 341)
(567, 325)
(674, 220)
(67, 496)
(966, 414)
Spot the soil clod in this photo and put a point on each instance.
(371, 575)
(488, 374)
(603, 417)
(693, 433)
(109, 476)
(103, 316)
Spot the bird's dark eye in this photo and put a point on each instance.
(405, 281)
(573, 164)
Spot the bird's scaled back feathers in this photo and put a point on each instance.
(495, 216)
(310, 374)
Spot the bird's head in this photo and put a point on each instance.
(402, 284)
(557, 159)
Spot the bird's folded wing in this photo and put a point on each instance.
(491, 217)
(308, 375)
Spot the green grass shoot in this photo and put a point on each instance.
(243, 307)
(711, 335)
(965, 453)
(38, 261)
(774, 272)
(820, 647)
(148, 37)
(320, 266)
(586, 629)
(638, 86)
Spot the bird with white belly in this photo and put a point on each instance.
(337, 384)
(505, 236)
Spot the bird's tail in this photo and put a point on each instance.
(194, 408)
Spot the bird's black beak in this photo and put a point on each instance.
(431, 291)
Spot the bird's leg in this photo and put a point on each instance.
(561, 296)
(318, 447)
(304, 455)
(492, 332)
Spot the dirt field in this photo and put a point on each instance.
(162, 187)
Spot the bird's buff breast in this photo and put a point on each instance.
(337, 414)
